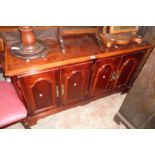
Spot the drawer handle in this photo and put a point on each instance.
(62, 90)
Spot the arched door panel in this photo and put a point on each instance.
(75, 82)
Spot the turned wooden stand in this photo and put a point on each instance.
(29, 47)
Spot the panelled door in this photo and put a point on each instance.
(127, 68)
(74, 83)
(40, 90)
(104, 75)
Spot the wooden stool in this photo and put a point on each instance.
(12, 109)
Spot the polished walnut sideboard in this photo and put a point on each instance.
(83, 73)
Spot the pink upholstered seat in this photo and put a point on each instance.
(11, 108)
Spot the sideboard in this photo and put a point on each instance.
(82, 74)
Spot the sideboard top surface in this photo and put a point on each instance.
(78, 49)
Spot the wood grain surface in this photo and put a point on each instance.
(78, 49)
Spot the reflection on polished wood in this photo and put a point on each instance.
(78, 49)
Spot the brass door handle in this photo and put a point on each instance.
(62, 90)
(113, 77)
(117, 74)
(57, 91)
(126, 62)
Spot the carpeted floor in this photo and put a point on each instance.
(95, 115)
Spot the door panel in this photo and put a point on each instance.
(75, 82)
(102, 78)
(40, 90)
(73, 85)
(126, 72)
(127, 69)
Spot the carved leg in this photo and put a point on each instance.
(32, 121)
(25, 123)
(28, 122)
